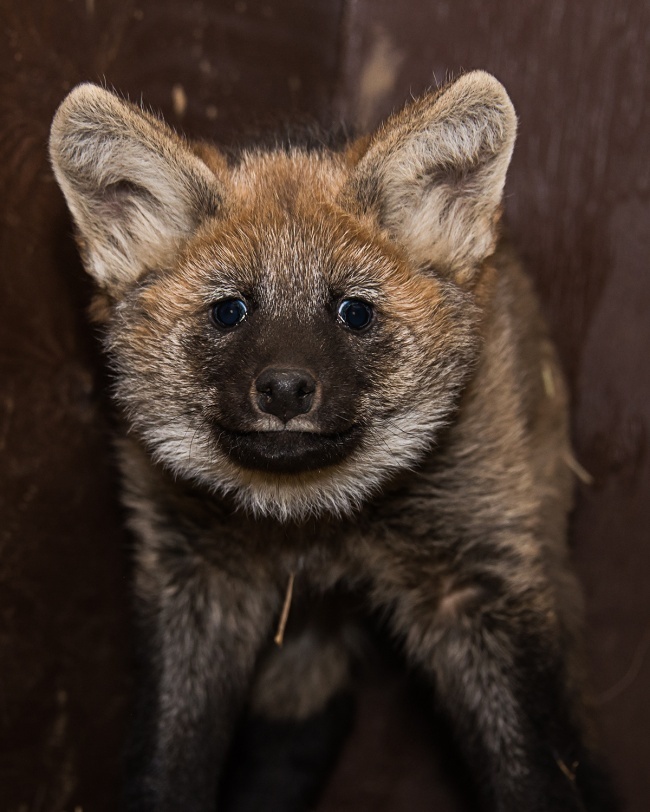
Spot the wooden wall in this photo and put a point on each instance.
(578, 204)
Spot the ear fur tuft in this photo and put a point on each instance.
(133, 186)
(435, 171)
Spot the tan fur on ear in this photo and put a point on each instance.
(435, 171)
(134, 187)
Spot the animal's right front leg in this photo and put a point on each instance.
(200, 631)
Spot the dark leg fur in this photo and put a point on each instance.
(500, 678)
(281, 766)
(194, 674)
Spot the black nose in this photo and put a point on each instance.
(285, 392)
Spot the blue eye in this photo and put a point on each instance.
(229, 312)
(355, 314)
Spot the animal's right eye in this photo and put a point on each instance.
(228, 312)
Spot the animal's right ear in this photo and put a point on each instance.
(135, 189)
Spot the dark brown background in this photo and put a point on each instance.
(578, 201)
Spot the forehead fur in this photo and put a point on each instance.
(287, 179)
(285, 238)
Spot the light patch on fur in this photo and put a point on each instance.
(297, 680)
(454, 602)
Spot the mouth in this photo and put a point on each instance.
(288, 452)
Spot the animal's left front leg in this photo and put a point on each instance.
(498, 655)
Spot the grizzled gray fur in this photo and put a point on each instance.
(332, 375)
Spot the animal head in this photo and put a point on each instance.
(291, 327)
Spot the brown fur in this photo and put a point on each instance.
(446, 508)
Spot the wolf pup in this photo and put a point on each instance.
(333, 379)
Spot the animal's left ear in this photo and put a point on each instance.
(435, 171)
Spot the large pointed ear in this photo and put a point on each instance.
(134, 188)
(434, 172)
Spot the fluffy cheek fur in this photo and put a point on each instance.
(390, 444)
(170, 414)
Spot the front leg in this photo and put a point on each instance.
(200, 631)
(498, 655)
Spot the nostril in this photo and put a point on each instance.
(284, 393)
(305, 391)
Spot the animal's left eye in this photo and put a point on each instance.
(229, 312)
(355, 313)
